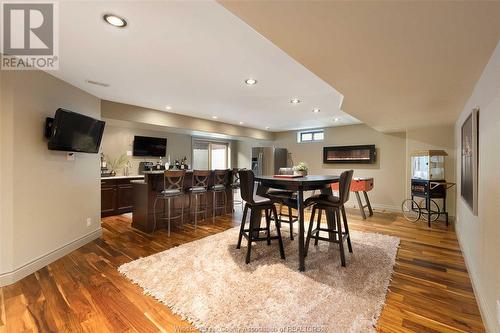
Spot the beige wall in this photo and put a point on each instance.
(118, 140)
(45, 198)
(437, 138)
(393, 158)
(389, 168)
(479, 235)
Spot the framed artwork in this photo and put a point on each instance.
(469, 160)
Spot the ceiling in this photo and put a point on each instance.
(399, 64)
(194, 57)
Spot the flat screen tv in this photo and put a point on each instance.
(148, 146)
(71, 131)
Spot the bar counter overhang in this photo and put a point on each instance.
(145, 191)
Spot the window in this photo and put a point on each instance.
(210, 155)
(311, 136)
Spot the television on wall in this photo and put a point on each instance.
(74, 132)
(149, 146)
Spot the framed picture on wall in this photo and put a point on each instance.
(469, 160)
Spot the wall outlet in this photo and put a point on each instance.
(89, 221)
(498, 311)
(129, 153)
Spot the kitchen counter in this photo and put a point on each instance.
(146, 191)
(122, 177)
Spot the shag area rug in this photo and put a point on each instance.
(207, 283)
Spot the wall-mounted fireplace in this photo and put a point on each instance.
(365, 154)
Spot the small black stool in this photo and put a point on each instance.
(333, 206)
(256, 204)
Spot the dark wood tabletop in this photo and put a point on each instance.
(300, 184)
(306, 183)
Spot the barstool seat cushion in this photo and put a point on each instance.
(171, 193)
(198, 189)
(280, 193)
(258, 200)
(324, 200)
(218, 187)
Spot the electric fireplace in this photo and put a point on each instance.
(363, 154)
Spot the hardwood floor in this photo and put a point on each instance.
(430, 290)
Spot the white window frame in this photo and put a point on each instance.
(312, 132)
(210, 143)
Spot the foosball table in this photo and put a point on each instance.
(362, 185)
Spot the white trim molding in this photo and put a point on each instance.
(46, 259)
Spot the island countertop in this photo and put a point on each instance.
(122, 177)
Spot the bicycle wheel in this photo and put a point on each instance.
(411, 210)
(435, 212)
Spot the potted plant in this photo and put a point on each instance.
(117, 163)
(300, 169)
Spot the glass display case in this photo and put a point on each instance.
(428, 164)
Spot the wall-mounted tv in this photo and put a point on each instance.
(71, 131)
(149, 146)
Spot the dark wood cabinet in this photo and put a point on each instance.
(117, 196)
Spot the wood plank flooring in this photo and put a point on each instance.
(83, 292)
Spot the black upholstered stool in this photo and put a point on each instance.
(235, 186)
(282, 198)
(334, 207)
(256, 204)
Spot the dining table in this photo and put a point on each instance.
(300, 185)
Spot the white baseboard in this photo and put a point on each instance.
(488, 315)
(377, 207)
(42, 261)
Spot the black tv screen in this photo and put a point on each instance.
(148, 146)
(76, 132)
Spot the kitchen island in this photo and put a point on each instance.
(146, 190)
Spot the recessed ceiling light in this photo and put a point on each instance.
(168, 107)
(267, 127)
(251, 82)
(114, 20)
(241, 123)
(316, 110)
(336, 119)
(295, 101)
(214, 117)
(97, 83)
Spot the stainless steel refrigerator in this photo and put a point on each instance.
(266, 161)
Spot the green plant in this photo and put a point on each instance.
(301, 167)
(117, 163)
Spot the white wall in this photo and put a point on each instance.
(45, 198)
(479, 235)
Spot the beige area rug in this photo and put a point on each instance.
(207, 283)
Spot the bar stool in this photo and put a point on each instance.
(333, 206)
(256, 204)
(173, 184)
(235, 186)
(199, 189)
(219, 186)
(282, 198)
